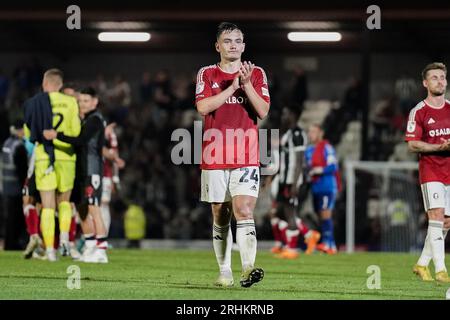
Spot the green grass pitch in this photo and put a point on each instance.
(189, 275)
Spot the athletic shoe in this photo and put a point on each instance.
(290, 254)
(225, 280)
(311, 241)
(332, 251)
(322, 247)
(423, 272)
(39, 254)
(442, 276)
(251, 276)
(276, 249)
(51, 255)
(101, 256)
(74, 253)
(88, 254)
(64, 249)
(33, 243)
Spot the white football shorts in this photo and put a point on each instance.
(223, 184)
(106, 189)
(436, 195)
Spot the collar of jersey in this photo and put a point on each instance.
(218, 66)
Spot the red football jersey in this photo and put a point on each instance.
(429, 124)
(111, 143)
(230, 133)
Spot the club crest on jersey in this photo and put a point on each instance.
(411, 126)
(199, 88)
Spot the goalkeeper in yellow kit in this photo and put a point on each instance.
(55, 180)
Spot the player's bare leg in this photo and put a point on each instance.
(106, 215)
(243, 207)
(88, 229)
(48, 199)
(65, 220)
(100, 232)
(223, 242)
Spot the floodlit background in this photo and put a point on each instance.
(360, 86)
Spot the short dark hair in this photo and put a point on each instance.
(90, 91)
(70, 85)
(433, 66)
(227, 27)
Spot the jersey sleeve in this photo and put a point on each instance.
(260, 84)
(203, 85)
(26, 131)
(330, 156)
(92, 126)
(299, 140)
(74, 125)
(414, 128)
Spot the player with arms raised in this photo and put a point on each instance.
(232, 95)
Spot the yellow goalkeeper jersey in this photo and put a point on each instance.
(66, 119)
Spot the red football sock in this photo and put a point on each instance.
(73, 229)
(301, 227)
(292, 238)
(283, 225)
(31, 220)
(56, 242)
(275, 229)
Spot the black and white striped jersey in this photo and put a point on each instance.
(292, 142)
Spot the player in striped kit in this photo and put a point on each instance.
(286, 225)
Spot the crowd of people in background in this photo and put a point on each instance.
(149, 109)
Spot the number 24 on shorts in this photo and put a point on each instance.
(253, 175)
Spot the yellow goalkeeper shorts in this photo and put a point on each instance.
(61, 178)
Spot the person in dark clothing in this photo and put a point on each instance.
(38, 116)
(89, 145)
(300, 90)
(14, 175)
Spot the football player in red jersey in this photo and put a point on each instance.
(428, 134)
(231, 96)
(111, 165)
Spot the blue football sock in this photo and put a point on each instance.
(327, 232)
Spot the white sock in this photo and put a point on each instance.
(427, 253)
(64, 237)
(223, 243)
(435, 232)
(274, 221)
(106, 215)
(289, 235)
(90, 243)
(101, 242)
(246, 240)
